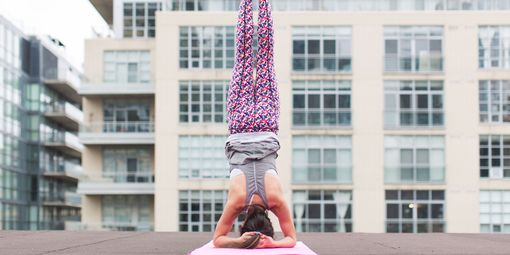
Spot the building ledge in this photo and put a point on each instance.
(111, 188)
(66, 88)
(116, 138)
(61, 204)
(104, 242)
(117, 89)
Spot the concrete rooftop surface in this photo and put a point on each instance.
(65, 242)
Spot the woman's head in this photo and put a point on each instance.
(257, 220)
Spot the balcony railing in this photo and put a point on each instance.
(414, 64)
(115, 226)
(68, 168)
(414, 119)
(112, 132)
(63, 74)
(119, 127)
(67, 199)
(121, 177)
(66, 109)
(119, 183)
(307, 118)
(63, 138)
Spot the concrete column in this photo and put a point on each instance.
(461, 122)
(367, 121)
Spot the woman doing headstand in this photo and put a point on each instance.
(251, 148)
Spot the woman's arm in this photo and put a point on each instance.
(281, 210)
(230, 213)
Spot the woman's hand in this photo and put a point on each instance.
(246, 237)
(265, 242)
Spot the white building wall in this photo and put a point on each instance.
(461, 130)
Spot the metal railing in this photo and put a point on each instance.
(63, 73)
(119, 127)
(67, 167)
(65, 108)
(68, 198)
(121, 177)
(341, 118)
(113, 226)
(414, 119)
(120, 226)
(414, 64)
(64, 138)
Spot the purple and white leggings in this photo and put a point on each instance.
(253, 106)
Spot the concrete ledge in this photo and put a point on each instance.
(89, 187)
(116, 138)
(65, 242)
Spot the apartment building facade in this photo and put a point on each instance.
(393, 115)
(40, 115)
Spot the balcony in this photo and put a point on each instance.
(140, 183)
(69, 172)
(64, 81)
(426, 63)
(66, 115)
(106, 89)
(106, 133)
(65, 142)
(68, 199)
(169, 243)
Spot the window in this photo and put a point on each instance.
(202, 101)
(321, 103)
(494, 156)
(495, 101)
(140, 19)
(206, 47)
(127, 213)
(413, 104)
(322, 210)
(200, 210)
(415, 211)
(321, 49)
(494, 47)
(495, 211)
(126, 116)
(414, 159)
(128, 164)
(324, 159)
(413, 48)
(202, 157)
(127, 67)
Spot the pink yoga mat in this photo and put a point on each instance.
(208, 249)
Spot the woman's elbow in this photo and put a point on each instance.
(293, 242)
(217, 242)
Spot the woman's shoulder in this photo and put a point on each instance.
(274, 192)
(237, 189)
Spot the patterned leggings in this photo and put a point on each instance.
(253, 106)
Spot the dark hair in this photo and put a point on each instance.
(257, 220)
